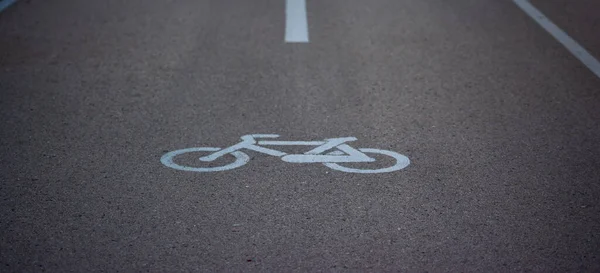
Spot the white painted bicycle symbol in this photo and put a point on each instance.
(340, 152)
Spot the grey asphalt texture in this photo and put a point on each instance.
(500, 122)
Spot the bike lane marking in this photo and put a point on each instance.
(577, 50)
(296, 26)
(343, 154)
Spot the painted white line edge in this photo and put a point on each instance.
(585, 57)
(296, 26)
(5, 4)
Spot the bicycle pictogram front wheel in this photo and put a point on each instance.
(240, 159)
(401, 162)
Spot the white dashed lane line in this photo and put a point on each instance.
(296, 25)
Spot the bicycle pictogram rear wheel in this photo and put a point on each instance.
(168, 160)
(401, 162)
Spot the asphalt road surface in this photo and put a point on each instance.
(501, 125)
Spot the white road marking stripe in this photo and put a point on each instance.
(6, 3)
(586, 58)
(296, 26)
